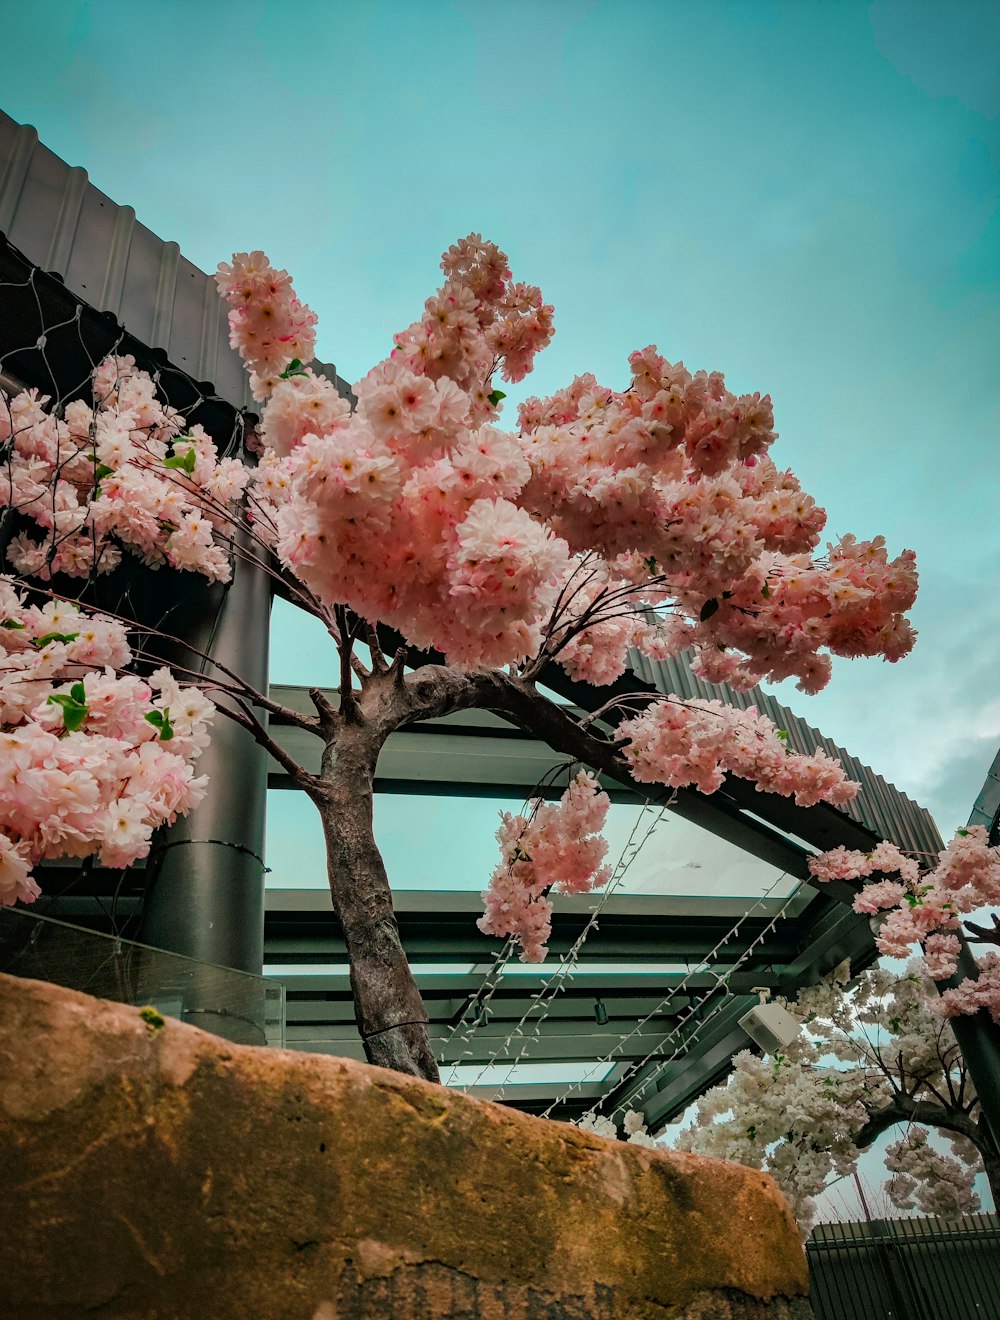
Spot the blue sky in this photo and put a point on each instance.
(802, 195)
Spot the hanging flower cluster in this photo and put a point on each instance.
(927, 1179)
(696, 743)
(122, 471)
(418, 512)
(559, 847)
(922, 906)
(866, 1059)
(91, 761)
(267, 324)
(673, 476)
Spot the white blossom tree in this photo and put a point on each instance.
(870, 1057)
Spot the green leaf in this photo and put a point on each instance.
(963, 833)
(765, 591)
(294, 368)
(152, 1018)
(709, 608)
(79, 694)
(74, 712)
(783, 735)
(185, 461)
(53, 637)
(495, 396)
(160, 719)
(650, 564)
(13, 623)
(103, 471)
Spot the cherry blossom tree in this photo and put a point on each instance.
(469, 559)
(871, 1057)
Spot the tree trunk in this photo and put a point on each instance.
(390, 1012)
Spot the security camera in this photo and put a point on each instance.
(770, 1026)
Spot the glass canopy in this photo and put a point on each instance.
(442, 843)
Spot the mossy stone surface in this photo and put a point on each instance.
(163, 1173)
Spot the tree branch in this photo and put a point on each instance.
(349, 710)
(904, 1109)
(242, 714)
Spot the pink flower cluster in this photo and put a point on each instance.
(972, 994)
(922, 906)
(673, 475)
(407, 510)
(91, 762)
(268, 325)
(696, 743)
(120, 471)
(558, 847)
(418, 512)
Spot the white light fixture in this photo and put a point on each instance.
(769, 1025)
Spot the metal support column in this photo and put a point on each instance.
(978, 1038)
(206, 893)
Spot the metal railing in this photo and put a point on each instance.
(906, 1269)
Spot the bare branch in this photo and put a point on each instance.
(904, 1109)
(350, 712)
(243, 715)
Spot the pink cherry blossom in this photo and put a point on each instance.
(91, 760)
(558, 847)
(668, 482)
(696, 743)
(925, 903)
(118, 473)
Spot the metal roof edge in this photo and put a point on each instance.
(62, 223)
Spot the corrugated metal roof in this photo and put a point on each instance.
(55, 216)
(52, 213)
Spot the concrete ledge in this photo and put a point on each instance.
(162, 1173)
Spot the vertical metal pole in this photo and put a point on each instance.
(206, 896)
(978, 1038)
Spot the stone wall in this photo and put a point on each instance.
(159, 1172)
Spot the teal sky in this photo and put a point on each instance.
(800, 194)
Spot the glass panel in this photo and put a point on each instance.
(447, 843)
(525, 1074)
(243, 1008)
(302, 652)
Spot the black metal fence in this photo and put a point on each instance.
(906, 1269)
